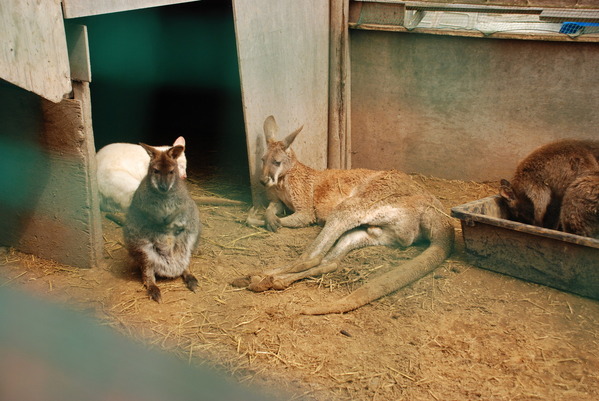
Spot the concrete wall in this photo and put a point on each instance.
(466, 108)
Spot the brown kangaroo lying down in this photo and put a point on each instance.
(535, 194)
(358, 208)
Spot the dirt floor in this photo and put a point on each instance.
(461, 333)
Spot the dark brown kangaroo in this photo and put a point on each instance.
(535, 193)
(580, 207)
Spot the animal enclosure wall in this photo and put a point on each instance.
(467, 108)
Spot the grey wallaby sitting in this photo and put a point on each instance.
(162, 227)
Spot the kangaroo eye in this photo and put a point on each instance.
(276, 163)
(171, 172)
(156, 171)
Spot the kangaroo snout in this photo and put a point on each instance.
(163, 183)
(267, 181)
(264, 180)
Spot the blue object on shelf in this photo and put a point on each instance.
(572, 28)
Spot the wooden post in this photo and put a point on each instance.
(339, 87)
(65, 224)
(50, 208)
(51, 204)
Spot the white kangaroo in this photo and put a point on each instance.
(359, 208)
(121, 167)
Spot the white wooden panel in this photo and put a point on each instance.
(82, 8)
(33, 48)
(283, 50)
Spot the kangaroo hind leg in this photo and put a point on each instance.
(311, 258)
(354, 239)
(342, 233)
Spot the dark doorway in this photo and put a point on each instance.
(163, 72)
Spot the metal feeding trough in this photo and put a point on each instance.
(565, 261)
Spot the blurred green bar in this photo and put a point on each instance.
(49, 353)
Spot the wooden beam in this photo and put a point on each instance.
(473, 8)
(561, 15)
(84, 8)
(503, 4)
(33, 49)
(548, 37)
(383, 13)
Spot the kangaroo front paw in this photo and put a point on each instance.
(154, 293)
(260, 283)
(241, 282)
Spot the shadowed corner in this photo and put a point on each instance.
(50, 353)
(23, 165)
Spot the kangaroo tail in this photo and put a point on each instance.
(214, 200)
(439, 249)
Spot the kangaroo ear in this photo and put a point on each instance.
(175, 151)
(270, 129)
(506, 191)
(180, 142)
(291, 137)
(152, 151)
